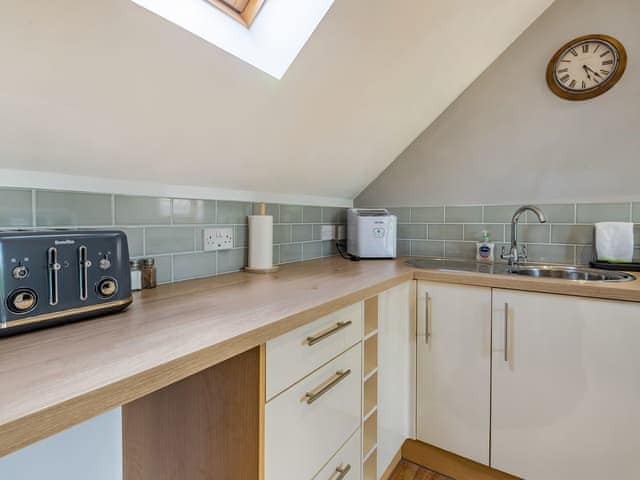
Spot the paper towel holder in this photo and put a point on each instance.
(274, 268)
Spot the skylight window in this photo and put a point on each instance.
(244, 11)
(269, 41)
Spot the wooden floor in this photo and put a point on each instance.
(410, 471)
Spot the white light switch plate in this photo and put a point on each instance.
(218, 238)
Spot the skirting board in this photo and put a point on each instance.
(392, 466)
(449, 464)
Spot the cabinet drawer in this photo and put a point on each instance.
(346, 462)
(303, 433)
(292, 356)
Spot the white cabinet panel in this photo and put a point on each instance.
(301, 437)
(291, 357)
(566, 401)
(346, 462)
(454, 368)
(90, 450)
(396, 371)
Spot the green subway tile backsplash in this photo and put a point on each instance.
(233, 212)
(142, 210)
(412, 231)
(169, 240)
(427, 215)
(291, 252)
(171, 230)
(312, 214)
(555, 213)
(603, 212)
(190, 265)
(72, 209)
(193, 211)
(567, 237)
(232, 260)
(473, 232)
(302, 233)
(290, 214)
(15, 208)
(463, 214)
(445, 232)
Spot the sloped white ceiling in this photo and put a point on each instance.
(107, 89)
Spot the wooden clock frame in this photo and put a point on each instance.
(622, 65)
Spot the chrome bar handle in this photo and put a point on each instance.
(54, 267)
(84, 263)
(343, 471)
(312, 340)
(427, 318)
(506, 332)
(319, 391)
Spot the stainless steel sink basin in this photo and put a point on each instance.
(573, 273)
(570, 273)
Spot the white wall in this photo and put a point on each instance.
(509, 140)
(111, 90)
(89, 451)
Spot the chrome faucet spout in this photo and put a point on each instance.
(516, 253)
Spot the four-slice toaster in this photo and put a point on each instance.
(59, 276)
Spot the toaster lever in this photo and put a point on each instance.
(54, 268)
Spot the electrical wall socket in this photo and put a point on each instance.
(218, 238)
(327, 232)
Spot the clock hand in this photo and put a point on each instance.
(586, 69)
(592, 71)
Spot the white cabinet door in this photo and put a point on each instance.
(566, 401)
(454, 368)
(396, 370)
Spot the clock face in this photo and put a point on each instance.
(586, 67)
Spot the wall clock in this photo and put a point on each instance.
(586, 67)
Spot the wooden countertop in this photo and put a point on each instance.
(56, 378)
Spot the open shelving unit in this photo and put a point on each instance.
(370, 391)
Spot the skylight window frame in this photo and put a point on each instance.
(246, 16)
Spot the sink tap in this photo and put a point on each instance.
(517, 254)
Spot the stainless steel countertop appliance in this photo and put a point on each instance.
(59, 276)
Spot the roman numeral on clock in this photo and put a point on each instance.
(585, 48)
(565, 78)
(572, 84)
(573, 52)
(607, 62)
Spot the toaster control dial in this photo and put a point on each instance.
(107, 287)
(20, 272)
(104, 264)
(22, 300)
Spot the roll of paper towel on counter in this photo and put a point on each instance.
(261, 243)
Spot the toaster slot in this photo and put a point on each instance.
(54, 268)
(84, 264)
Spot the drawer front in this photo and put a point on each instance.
(293, 355)
(345, 465)
(303, 433)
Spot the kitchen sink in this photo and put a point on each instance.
(572, 273)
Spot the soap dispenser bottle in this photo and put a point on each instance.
(485, 249)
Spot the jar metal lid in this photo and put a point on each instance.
(148, 262)
(134, 264)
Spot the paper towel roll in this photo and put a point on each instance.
(260, 242)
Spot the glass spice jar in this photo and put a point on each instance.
(149, 273)
(136, 275)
